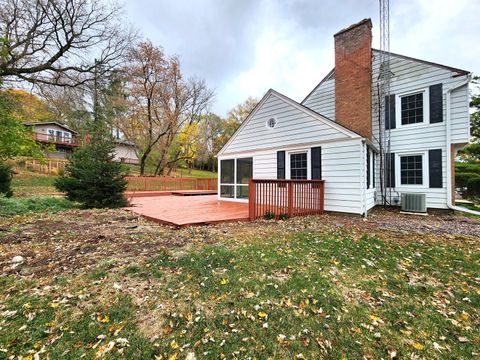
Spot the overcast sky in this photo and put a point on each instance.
(244, 47)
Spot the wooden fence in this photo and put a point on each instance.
(151, 183)
(278, 198)
(47, 166)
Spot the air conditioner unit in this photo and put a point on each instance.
(414, 203)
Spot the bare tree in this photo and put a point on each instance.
(190, 100)
(160, 102)
(144, 123)
(60, 42)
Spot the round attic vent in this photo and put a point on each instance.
(271, 123)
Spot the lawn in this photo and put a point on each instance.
(31, 184)
(180, 172)
(35, 204)
(107, 284)
(28, 184)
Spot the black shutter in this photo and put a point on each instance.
(390, 169)
(373, 168)
(280, 164)
(436, 103)
(368, 168)
(316, 160)
(390, 112)
(435, 168)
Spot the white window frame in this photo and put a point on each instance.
(234, 184)
(51, 134)
(309, 162)
(235, 171)
(67, 136)
(398, 170)
(426, 107)
(268, 120)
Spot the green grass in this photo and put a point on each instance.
(471, 206)
(20, 206)
(45, 321)
(195, 173)
(33, 184)
(285, 294)
(134, 170)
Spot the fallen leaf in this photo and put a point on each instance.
(463, 339)
(104, 319)
(392, 353)
(418, 346)
(249, 295)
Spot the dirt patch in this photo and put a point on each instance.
(79, 240)
(73, 241)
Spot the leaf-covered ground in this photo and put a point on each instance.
(107, 284)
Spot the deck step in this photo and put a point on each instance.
(194, 192)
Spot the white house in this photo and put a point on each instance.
(336, 134)
(126, 151)
(59, 135)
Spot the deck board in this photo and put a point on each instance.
(189, 210)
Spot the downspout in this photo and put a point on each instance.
(363, 184)
(449, 151)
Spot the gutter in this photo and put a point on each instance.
(449, 151)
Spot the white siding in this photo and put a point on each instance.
(341, 170)
(293, 127)
(322, 99)
(460, 116)
(409, 75)
(125, 153)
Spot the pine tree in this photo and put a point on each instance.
(93, 178)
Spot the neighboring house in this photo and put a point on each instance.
(65, 140)
(62, 137)
(335, 133)
(125, 152)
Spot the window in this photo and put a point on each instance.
(59, 135)
(271, 123)
(411, 170)
(51, 134)
(66, 137)
(412, 109)
(235, 175)
(227, 171)
(298, 166)
(244, 174)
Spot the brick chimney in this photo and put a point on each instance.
(353, 78)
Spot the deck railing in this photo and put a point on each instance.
(152, 183)
(55, 139)
(285, 198)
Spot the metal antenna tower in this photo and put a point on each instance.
(383, 96)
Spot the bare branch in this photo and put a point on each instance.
(46, 41)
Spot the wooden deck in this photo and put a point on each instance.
(134, 194)
(189, 210)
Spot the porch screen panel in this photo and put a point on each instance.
(227, 178)
(244, 174)
(227, 172)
